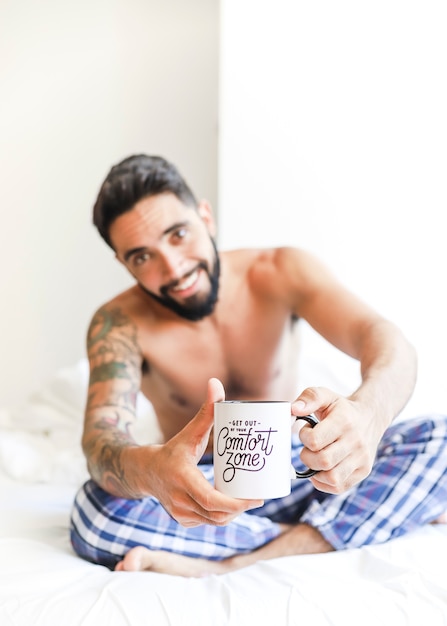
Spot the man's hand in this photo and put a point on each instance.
(177, 482)
(343, 445)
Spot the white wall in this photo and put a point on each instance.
(333, 135)
(84, 84)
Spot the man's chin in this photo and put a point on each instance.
(196, 309)
(194, 312)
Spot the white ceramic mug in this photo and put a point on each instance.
(252, 448)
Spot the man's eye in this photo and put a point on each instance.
(141, 258)
(181, 233)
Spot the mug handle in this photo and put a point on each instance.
(313, 421)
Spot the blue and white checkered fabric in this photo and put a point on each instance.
(406, 488)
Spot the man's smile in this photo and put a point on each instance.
(186, 283)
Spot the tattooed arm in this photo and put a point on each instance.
(115, 376)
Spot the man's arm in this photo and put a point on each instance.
(343, 446)
(388, 361)
(115, 376)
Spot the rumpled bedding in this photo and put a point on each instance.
(40, 440)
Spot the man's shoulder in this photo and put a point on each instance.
(126, 305)
(116, 324)
(263, 253)
(274, 259)
(279, 271)
(122, 299)
(260, 257)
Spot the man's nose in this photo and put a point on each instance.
(171, 262)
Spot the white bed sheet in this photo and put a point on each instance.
(42, 582)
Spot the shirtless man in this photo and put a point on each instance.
(200, 326)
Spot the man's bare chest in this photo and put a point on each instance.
(252, 360)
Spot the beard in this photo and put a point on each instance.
(196, 307)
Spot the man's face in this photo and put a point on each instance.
(168, 248)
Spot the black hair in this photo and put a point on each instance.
(132, 179)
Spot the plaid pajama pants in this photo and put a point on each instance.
(406, 488)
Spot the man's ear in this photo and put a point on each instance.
(206, 213)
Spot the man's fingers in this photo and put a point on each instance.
(222, 513)
(313, 400)
(205, 505)
(211, 500)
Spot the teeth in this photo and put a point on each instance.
(187, 282)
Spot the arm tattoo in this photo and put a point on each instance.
(115, 374)
(107, 371)
(106, 321)
(108, 465)
(114, 355)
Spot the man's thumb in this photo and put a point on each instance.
(216, 391)
(200, 426)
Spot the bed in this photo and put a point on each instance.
(42, 581)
